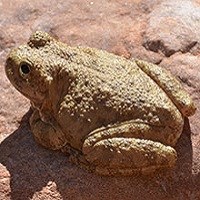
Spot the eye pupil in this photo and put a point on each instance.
(25, 68)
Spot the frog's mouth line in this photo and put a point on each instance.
(28, 97)
(21, 90)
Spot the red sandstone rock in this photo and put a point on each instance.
(130, 28)
(174, 26)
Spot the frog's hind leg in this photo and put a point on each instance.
(116, 151)
(127, 156)
(170, 85)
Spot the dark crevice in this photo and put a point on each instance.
(189, 47)
(186, 81)
(159, 46)
(158, 62)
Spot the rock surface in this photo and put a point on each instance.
(173, 26)
(159, 31)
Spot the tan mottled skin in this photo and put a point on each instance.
(122, 116)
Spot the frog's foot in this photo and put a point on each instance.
(76, 156)
(117, 152)
(48, 135)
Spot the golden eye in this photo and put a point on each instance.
(24, 68)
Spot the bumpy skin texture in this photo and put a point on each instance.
(120, 116)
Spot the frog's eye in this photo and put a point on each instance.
(24, 68)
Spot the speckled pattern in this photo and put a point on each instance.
(122, 116)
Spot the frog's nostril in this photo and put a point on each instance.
(8, 64)
(8, 67)
(8, 61)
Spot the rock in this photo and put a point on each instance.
(174, 26)
(4, 183)
(145, 29)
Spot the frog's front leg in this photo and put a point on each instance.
(47, 134)
(116, 150)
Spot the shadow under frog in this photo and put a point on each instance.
(32, 167)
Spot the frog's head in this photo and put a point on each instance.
(30, 67)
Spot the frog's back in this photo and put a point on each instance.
(109, 89)
(122, 90)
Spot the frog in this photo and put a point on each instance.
(117, 116)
